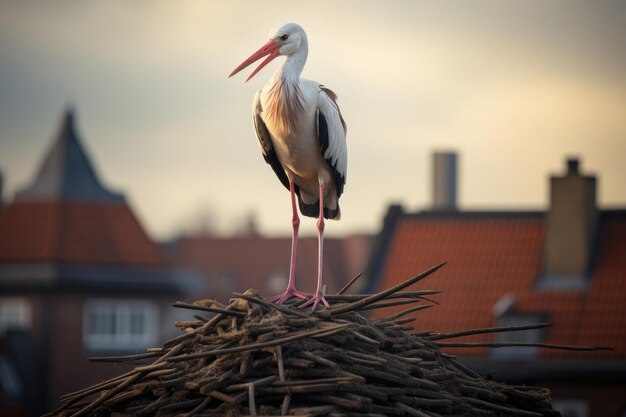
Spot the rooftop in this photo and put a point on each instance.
(496, 255)
(251, 261)
(67, 216)
(67, 173)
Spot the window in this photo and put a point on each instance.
(571, 407)
(10, 381)
(507, 316)
(15, 313)
(520, 336)
(119, 324)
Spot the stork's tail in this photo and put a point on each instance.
(313, 210)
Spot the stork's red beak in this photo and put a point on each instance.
(271, 48)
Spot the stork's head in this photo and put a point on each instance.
(286, 40)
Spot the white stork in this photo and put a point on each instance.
(303, 137)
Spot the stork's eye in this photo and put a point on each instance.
(284, 37)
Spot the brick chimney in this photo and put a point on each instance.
(444, 181)
(572, 223)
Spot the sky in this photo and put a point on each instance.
(514, 87)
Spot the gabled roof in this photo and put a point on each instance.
(66, 173)
(68, 216)
(75, 232)
(241, 262)
(491, 255)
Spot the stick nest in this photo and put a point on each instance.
(255, 358)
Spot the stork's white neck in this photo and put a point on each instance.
(285, 103)
(290, 70)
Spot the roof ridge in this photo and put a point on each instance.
(67, 172)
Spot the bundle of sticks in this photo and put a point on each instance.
(253, 358)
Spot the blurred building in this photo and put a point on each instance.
(79, 277)
(237, 263)
(566, 266)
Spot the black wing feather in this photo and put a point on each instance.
(263, 135)
(322, 133)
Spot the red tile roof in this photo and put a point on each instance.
(249, 261)
(75, 232)
(489, 257)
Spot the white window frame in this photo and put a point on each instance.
(113, 327)
(15, 313)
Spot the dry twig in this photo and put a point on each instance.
(279, 360)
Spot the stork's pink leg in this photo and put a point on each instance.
(291, 285)
(318, 296)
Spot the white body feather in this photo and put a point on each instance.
(299, 150)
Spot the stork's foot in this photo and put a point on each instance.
(318, 297)
(289, 293)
